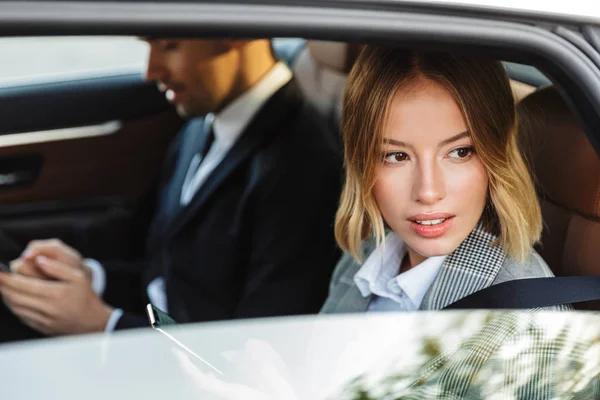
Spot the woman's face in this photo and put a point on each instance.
(431, 187)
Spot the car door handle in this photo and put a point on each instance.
(15, 178)
(21, 170)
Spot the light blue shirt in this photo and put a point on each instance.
(378, 277)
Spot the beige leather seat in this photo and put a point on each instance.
(322, 68)
(567, 170)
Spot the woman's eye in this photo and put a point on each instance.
(462, 153)
(395, 157)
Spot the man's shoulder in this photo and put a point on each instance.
(303, 139)
(309, 123)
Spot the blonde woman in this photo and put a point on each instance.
(438, 202)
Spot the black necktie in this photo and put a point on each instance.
(210, 138)
(198, 159)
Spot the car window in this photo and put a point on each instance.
(287, 49)
(28, 60)
(526, 74)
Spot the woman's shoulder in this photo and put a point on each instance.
(342, 289)
(347, 266)
(533, 266)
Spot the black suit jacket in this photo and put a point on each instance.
(257, 238)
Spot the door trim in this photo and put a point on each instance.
(53, 135)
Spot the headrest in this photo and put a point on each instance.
(564, 162)
(332, 55)
(336, 56)
(320, 75)
(521, 90)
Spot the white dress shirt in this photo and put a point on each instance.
(228, 126)
(391, 291)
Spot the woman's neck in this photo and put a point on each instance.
(410, 260)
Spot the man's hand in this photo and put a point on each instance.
(53, 249)
(27, 268)
(64, 305)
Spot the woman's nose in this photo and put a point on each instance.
(429, 185)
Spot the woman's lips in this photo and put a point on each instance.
(431, 225)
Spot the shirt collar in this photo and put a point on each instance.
(416, 281)
(230, 122)
(383, 265)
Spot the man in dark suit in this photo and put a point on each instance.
(243, 226)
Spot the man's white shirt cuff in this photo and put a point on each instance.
(98, 275)
(157, 293)
(114, 318)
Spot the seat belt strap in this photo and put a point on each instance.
(532, 293)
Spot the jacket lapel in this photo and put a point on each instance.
(281, 107)
(471, 267)
(193, 136)
(353, 301)
(173, 175)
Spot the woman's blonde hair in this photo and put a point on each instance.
(482, 90)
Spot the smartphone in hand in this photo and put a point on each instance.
(158, 318)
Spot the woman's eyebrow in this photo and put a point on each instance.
(454, 138)
(395, 142)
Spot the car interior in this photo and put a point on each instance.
(567, 170)
(568, 182)
(81, 155)
(96, 192)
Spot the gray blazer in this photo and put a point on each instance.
(473, 266)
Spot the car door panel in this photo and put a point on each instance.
(78, 161)
(77, 102)
(100, 228)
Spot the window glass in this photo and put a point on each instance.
(27, 60)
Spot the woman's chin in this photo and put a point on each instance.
(433, 247)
